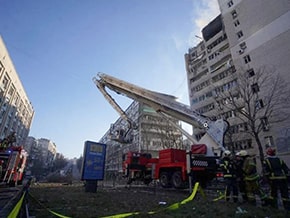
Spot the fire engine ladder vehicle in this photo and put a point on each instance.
(167, 106)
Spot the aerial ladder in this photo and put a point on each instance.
(120, 135)
(166, 105)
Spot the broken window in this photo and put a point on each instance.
(234, 14)
(243, 45)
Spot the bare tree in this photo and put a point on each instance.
(170, 136)
(258, 98)
(162, 130)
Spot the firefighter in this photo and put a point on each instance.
(251, 178)
(276, 172)
(229, 171)
(239, 162)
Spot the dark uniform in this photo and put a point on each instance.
(230, 177)
(239, 162)
(276, 171)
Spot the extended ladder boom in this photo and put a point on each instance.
(164, 103)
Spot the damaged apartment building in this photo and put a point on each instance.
(242, 39)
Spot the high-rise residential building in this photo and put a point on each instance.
(210, 71)
(248, 36)
(48, 149)
(42, 149)
(149, 134)
(42, 154)
(16, 110)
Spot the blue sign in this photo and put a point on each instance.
(94, 161)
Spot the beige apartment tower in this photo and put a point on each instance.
(249, 36)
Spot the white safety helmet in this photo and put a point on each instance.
(227, 153)
(242, 153)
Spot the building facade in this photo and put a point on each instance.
(264, 43)
(16, 110)
(48, 149)
(246, 37)
(151, 133)
(43, 150)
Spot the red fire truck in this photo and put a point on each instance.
(12, 165)
(172, 168)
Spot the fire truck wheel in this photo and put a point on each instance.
(177, 180)
(164, 179)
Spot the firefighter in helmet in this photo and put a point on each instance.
(251, 178)
(276, 172)
(239, 162)
(229, 171)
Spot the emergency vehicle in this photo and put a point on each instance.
(173, 166)
(12, 165)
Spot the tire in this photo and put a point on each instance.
(164, 180)
(176, 180)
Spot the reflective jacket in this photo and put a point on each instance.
(250, 169)
(275, 168)
(228, 168)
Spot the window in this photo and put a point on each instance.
(233, 113)
(255, 88)
(1, 67)
(11, 91)
(237, 23)
(247, 59)
(240, 34)
(194, 54)
(251, 72)
(230, 3)
(269, 141)
(208, 94)
(234, 14)
(243, 45)
(5, 82)
(265, 123)
(248, 143)
(259, 104)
